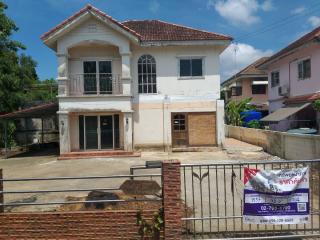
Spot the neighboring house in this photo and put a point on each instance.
(294, 83)
(136, 84)
(250, 82)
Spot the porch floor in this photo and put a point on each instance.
(98, 154)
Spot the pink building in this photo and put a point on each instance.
(250, 82)
(294, 83)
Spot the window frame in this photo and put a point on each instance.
(238, 91)
(273, 85)
(259, 93)
(152, 74)
(304, 76)
(190, 58)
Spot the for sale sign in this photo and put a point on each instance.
(276, 196)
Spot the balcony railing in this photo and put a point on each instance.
(94, 84)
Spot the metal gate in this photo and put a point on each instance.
(213, 202)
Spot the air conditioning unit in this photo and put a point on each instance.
(283, 90)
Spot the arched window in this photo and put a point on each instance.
(147, 76)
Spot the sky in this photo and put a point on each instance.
(259, 27)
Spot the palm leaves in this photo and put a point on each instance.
(233, 110)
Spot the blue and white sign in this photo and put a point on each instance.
(276, 196)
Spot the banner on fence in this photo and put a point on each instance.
(276, 196)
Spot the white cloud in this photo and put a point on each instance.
(314, 21)
(246, 54)
(267, 5)
(298, 10)
(240, 12)
(154, 6)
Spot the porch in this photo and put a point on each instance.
(95, 134)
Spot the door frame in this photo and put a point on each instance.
(186, 128)
(98, 131)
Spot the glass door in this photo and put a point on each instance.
(105, 77)
(91, 132)
(106, 134)
(90, 77)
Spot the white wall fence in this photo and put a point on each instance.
(281, 144)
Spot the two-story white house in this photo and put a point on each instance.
(136, 84)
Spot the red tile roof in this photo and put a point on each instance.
(79, 13)
(156, 30)
(313, 35)
(249, 70)
(147, 30)
(303, 98)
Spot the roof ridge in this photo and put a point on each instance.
(88, 8)
(199, 30)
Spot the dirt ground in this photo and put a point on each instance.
(45, 164)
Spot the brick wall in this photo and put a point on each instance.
(171, 190)
(71, 225)
(94, 225)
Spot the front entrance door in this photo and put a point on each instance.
(179, 130)
(99, 132)
(106, 127)
(91, 135)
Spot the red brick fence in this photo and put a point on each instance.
(97, 224)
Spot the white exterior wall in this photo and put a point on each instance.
(150, 123)
(152, 112)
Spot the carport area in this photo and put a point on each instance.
(36, 128)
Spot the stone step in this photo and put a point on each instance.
(98, 154)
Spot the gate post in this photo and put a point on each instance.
(171, 199)
(1, 192)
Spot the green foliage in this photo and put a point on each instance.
(152, 229)
(17, 71)
(11, 128)
(253, 124)
(316, 105)
(233, 110)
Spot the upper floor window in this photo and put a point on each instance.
(147, 76)
(275, 79)
(304, 69)
(236, 91)
(191, 67)
(259, 89)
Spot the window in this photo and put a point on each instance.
(95, 72)
(304, 69)
(236, 91)
(147, 76)
(179, 122)
(259, 89)
(275, 81)
(191, 67)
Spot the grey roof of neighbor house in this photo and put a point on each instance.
(284, 112)
(248, 71)
(314, 35)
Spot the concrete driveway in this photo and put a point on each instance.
(48, 166)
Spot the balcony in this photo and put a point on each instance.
(94, 84)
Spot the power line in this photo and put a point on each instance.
(281, 22)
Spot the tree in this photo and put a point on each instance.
(17, 72)
(234, 110)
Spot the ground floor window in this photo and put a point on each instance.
(99, 132)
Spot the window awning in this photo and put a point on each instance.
(259, 82)
(284, 112)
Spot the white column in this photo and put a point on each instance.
(126, 73)
(127, 127)
(64, 132)
(220, 122)
(63, 86)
